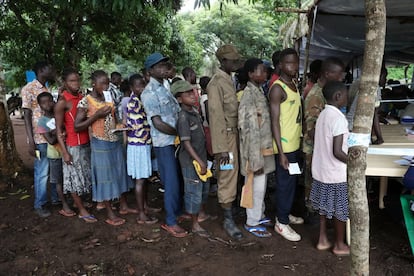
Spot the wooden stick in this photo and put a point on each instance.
(292, 10)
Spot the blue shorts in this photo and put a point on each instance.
(195, 190)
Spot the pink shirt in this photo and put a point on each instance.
(326, 168)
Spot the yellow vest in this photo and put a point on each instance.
(290, 120)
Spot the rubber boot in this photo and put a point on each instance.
(230, 226)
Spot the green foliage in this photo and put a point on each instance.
(83, 32)
(247, 26)
(119, 34)
(397, 73)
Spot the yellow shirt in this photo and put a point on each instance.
(290, 120)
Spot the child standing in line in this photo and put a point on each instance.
(47, 127)
(256, 148)
(286, 115)
(193, 147)
(329, 193)
(108, 168)
(139, 146)
(126, 95)
(75, 147)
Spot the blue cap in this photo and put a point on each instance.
(153, 59)
(267, 63)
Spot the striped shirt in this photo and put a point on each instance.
(137, 121)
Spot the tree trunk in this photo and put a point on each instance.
(10, 163)
(358, 205)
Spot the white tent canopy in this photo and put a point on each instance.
(339, 30)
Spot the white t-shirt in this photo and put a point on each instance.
(326, 168)
(203, 100)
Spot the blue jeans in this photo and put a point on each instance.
(285, 188)
(168, 169)
(41, 174)
(55, 177)
(195, 190)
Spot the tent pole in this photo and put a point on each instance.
(311, 18)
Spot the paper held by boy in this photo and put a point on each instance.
(294, 168)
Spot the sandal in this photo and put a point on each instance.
(115, 222)
(128, 211)
(175, 230)
(152, 209)
(258, 231)
(267, 222)
(149, 221)
(88, 218)
(203, 218)
(67, 213)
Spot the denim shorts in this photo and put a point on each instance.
(195, 190)
(55, 171)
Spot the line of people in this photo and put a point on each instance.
(259, 135)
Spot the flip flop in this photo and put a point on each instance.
(88, 218)
(67, 214)
(128, 211)
(152, 210)
(266, 222)
(170, 229)
(203, 218)
(115, 223)
(258, 231)
(150, 220)
(202, 233)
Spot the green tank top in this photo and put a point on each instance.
(290, 120)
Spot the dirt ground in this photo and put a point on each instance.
(59, 245)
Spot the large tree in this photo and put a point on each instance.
(68, 32)
(251, 26)
(10, 163)
(374, 48)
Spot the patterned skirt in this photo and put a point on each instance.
(330, 200)
(139, 161)
(77, 177)
(108, 167)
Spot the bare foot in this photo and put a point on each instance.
(323, 245)
(115, 221)
(126, 211)
(341, 250)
